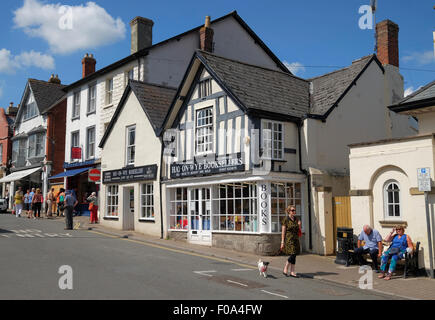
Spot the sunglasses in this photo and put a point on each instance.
(293, 210)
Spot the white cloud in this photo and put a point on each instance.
(410, 90)
(294, 67)
(10, 63)
(421, 58)
(69, 28)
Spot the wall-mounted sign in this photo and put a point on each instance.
(229, 163)
(130, 174)
(264, 207)
(76, 153)
(94, 175)
(423, 179)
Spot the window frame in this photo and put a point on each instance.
(264, 122)
(128, 145)
(30, 103)
(109, 91)
(92, 87)
(145, 196)
(205, 88)
(112, 201)
(36, 136)
(76, 110)
(289, 199)
(88, 157)
(182, 203)
(387, 203)
(72, 143)
(200, 128)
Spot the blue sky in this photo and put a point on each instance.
(311, 34)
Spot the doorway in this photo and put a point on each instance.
(199, 207)
(128, 209)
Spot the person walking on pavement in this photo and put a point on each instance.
(18, 202)
(290, 245)
(49, 201)
(60, 202)
(70, 203)
(30, 199)
(93, 207)
(372, 246)
(27, 203)
(37, 203)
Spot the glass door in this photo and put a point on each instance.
(200, 215)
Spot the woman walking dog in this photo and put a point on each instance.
(290, 245)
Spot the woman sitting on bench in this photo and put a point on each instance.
(401, 243)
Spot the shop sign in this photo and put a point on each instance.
(130, 174)
(230, 163)
(76, 153)
(264, 206)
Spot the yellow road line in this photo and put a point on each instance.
(177, 250)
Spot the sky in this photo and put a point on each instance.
(43, 37)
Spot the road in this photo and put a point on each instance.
(105, 267)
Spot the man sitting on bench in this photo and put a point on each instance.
(372, 246)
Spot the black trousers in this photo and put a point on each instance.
(373, 254)
(69, 217)
(292, 259)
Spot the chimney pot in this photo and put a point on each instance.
(141, 34)
(206, 36)
(387, 42)
(88, 65)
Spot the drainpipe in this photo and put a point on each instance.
(160, 186)
(307, 174)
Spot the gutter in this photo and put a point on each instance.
(307, 174)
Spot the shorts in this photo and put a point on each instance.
(26, 206)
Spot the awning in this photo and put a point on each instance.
(69, 173)
(19, 175)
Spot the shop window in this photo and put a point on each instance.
(147, 201)
(392, 200)
(284, 194)
(204, 131)
(235, 207)
(112, 201)
(272, 140)
(178, 215)
(130, 144)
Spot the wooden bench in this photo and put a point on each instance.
(410, 263)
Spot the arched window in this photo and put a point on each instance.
(392, 200)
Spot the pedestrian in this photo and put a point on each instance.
(37, 200)
(18, 202)
(70, 203)
(27, 204)
(372, 246)
(7, 197)
(93, 207)
(31, 194)
(290, 245)
(49, 202)
(60, 202)
(401, 244)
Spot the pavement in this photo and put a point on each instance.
(322, 268)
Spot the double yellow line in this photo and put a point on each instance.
(176, 250)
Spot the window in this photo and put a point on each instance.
(109, 91)
(284, 194)
(36, 146)
(112, 201)
(128, 75)
(178, 215)
(92, 98)
(76, 105)
(90, 142)
(30, 109)
(235, 207)
(392, 200)
(204, 131)
(131, 137)
(106, 125)
(19, 152)
(147, 201)
(75, 141)
(273, 145)
(204, 89)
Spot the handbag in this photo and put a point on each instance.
(394, 251)
(300, 232)
(91, 205)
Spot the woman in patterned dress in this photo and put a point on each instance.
(290, 240)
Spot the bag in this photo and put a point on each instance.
(61, 206)
(394, 250)
(91, 205)
(300, 232)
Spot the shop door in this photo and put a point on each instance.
(342, 214)
(128, 212)
(200, 216)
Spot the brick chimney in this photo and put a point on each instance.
(206, 36)
(88, 65)
(54, 79)
(387, 38)
(141, 34)
(11, 110)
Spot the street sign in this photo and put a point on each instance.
(94, 175)
(423, 179)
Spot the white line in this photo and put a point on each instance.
(242, 284)
(242, 269)
(204, 273)
(275, 294)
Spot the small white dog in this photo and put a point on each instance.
(262, 267)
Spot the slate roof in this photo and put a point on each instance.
(46, 93)
(328, 88)
(425, 92)
(258, 88)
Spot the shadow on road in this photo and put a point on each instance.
(5, 231)
(312, 275)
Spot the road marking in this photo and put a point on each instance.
(204, 273)
(275, 294)
(242, 269)
(241, 284)
(176, 250)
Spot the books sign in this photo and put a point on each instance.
(130, 174)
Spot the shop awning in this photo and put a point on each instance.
(69, 173)
(19, 175)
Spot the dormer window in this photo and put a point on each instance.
(204, 88)
(30, 110)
